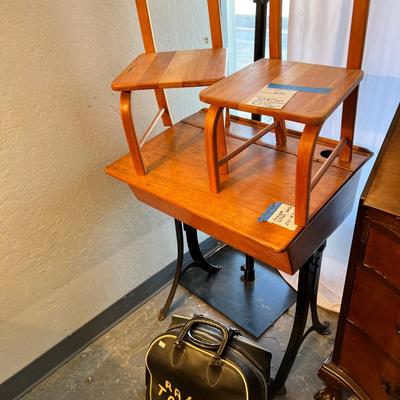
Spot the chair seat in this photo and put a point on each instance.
(173, 69)
(324, 87)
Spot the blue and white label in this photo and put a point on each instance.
(280, 214)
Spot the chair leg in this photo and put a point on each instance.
(348, 125)
(162, 103)
(178, 271)
(211, 147)
(305, 154)
(281, 133)
(227, 119)
(221, 144)
(127, 121)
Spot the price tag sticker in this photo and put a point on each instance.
(272, 98)
(280, 214)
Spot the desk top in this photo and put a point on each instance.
(176, 183)
(309, 108)
(173, 69)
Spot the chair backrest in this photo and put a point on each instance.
(275, 29)
(355, 54)
(357, 31)
(214, 15)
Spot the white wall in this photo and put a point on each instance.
(73, 240)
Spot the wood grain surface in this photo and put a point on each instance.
(310, 108)
(176, 183)
(173, 69)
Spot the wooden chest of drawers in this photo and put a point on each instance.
(366, 356)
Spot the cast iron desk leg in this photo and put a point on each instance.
(178, 270)
(198, 261)
(195, 252)
(306, 298)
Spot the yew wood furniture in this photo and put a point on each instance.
(366, 357)
(180, 160)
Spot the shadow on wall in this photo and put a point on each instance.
(74, 240)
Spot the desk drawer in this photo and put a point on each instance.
(369, 367)
(383, 252)
(375, 308)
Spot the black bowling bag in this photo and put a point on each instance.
(201, 359)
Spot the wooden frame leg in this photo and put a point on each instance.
(227, 119)
(127, 121)
(162, 103)
(221, 144)
(305, 155)
(280, 132)
(211, 146)
(348, 125)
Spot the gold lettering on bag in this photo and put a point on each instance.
(162, 390)
(176, 394)
(168, 386)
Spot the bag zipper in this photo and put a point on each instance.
(261, 378)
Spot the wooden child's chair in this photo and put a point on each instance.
(321, 89)
(171, 69)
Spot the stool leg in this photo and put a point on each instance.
(281, 133)
(129, 129)
(305, 154)
(305, 294)
(178, 271)
(348, 125)
(221, 144)
(211, 147)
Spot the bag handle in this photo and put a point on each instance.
(200, 320)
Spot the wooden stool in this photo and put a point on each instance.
(171, 69)
(321, 89)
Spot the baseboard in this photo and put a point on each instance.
(38, 370)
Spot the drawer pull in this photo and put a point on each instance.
(391, 391)
(398, 329)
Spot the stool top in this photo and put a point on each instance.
(309, 107)
(173, 69)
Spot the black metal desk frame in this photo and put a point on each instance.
(306, 298)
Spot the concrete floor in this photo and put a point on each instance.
(113, 366)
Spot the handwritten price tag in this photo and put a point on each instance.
(280, 214)
(272, 98)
